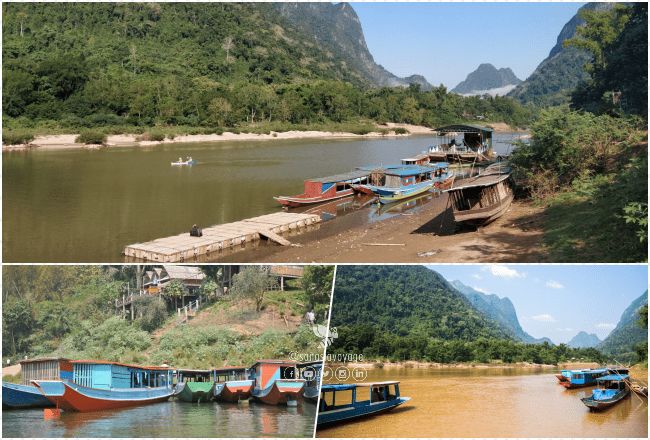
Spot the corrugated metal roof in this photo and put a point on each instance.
(614, 377)
(409, 170)
(98, 362)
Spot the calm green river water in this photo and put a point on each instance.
(169, 419)
(86, 205)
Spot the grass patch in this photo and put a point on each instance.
(91, 137)
(401, 130)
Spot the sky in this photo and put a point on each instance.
(444, 42)
(558, 301)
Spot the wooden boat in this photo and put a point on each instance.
(611, 390)
(420, 159)
(641, 390)
(311, 373)
(482, 199)
(101, 385)
(582, 378)
(232, 384)
(194, 385)
(26, 395)
(476, 145)
(367, 399)
(401, 183)
(276, 382)
(324, 189)
(188, 162)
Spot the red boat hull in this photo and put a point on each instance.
(72, 400)
(234, 394)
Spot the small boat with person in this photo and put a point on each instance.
(324, 189)
(347, 402)
(276, 382)
(612, 388)
(187, 162)
(100, 385)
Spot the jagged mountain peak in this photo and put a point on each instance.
(487, 79)
(584, 340)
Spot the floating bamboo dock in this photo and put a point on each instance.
(184, 247)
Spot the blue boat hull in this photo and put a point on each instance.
(355, 412)
(23, 396)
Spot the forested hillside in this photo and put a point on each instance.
(413, 313)
(203, 67)
(554, 79)
(629, 340)
(70, 311)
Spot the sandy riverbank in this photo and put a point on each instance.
(67, 141)
(421, 237)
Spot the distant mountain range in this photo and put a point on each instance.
(584, 340)
(337, 28)
(621, 342)
(500, 310)
(488, 80)
(558, 74)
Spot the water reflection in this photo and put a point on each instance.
(169, 419)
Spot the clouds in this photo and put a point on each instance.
(544, 317)
(606, 326)
(501, 271)
(554, 284)
(478, 289)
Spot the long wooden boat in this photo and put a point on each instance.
(188, 162)
(26, 395)
(380, 398)
(324, 189)
(276, 382)
(482, 199)
(641, 390)
(194, 385)
(582, 378)
(100, 385)
(401, 183)
(612, 389)
(476, 145)
(232, 384)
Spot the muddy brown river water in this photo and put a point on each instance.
(491, 402)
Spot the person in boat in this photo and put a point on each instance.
(180, 159)
(189, 158)
(196, 231)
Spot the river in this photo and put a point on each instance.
(169, 419)
(86, 205)
(493, 402)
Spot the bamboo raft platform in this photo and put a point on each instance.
(184, 247)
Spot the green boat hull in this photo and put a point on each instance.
(196, 392)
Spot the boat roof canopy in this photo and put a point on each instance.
(613, 377)
(351, 386)
(227, 369)
(357, 174)
(464, 128)
(409, 170)
(139, 367)
(45, 359)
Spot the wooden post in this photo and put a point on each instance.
(282, 283)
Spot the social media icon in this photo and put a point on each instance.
(342, 374)
(309, 373)
(328, 374)
(359, 374)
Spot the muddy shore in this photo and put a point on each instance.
(422, 236)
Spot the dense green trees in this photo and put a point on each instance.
(317, 283)
(196, 65)
(618, 41)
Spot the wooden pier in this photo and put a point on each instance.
(184, 247)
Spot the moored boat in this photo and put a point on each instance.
(367, 399)
(26, 395)
(400, 183)
(420, 159)
(188, 162)
(100, 385)
(612, 388)
(482, 199)
(476, 145)
(311, 373)
(194, 385)
(582, 378)
(276, 382)
(232, 384)
(324, 189)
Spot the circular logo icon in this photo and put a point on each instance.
(309, 373)
(328, 374)
(342, 374)
(360, 374)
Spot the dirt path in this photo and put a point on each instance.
(424, 236)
